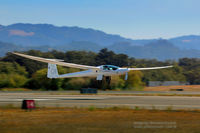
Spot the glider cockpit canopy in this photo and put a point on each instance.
(109, 67)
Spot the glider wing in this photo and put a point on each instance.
(149, 68)
(56, 61)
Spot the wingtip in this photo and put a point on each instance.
(16, 53)
(13, 52)
(169, 66)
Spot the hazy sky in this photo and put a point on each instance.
(136, 19)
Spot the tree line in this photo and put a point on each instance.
(18, 72)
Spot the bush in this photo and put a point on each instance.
(39, 80)
(117, 82)
(12, 80)
(134, 80)
(11, 68)
(76, 83)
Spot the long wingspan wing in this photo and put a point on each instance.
(150, 68)
(55, 61)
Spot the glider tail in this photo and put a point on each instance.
(52, 71)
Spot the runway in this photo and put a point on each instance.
(101, 101)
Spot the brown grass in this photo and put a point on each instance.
(15, 89)
(156, 88)
(65, 120)
(168, 88)
(156, 94)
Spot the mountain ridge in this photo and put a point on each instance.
(53, 35)
(27, 34)
(47, 37)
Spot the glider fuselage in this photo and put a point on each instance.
(108, 70)
(104, 70)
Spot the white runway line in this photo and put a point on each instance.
(50, 99)
(21, 99)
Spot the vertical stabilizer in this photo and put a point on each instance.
(52, 71)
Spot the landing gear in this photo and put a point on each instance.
(104, 83)
(107, 82)
(99, 84)
(108, 79)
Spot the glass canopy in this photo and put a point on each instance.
(110, 67)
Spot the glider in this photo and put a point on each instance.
(90, 71)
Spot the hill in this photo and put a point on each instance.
(160, 50)
(46, 37)
(8, 47)
(187, 42)
(46, 34)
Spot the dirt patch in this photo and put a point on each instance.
(172, 88)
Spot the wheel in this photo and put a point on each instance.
(108, 79)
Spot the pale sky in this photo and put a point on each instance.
(136, 19)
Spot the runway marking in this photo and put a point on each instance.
(52, 99)
(3, 100)
(106, 101)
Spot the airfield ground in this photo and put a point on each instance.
(52, 99)
(193, 88)
(152, 97)
(107, 112)
(172, 88)
(92, 120)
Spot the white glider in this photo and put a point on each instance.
(92, 71)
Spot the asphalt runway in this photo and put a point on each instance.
(100, 101)
(110, 92)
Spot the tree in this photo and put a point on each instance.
(191, 69)
(76, 83)
(105, 57)
(134, 80)
(11, 68)
(12, 75)
(12, 80)
(39, 80)
(117, 82)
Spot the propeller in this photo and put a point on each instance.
(126, 76)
